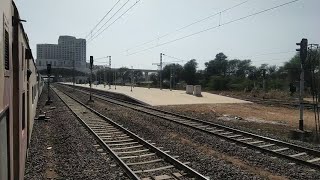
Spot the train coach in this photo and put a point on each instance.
(20, 88)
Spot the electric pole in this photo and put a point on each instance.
(160, 73)
(131, 77)
(303, 55)
(104, 77)
(90, 80)
(49, 101)
(171, 76)
(264, 80)
(73, 71)
(115, 79)
(110, 71)
(174, 76)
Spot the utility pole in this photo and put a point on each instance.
(160, 73)
(131, 77)
(174, 76)
(96, 78)
(264, 80)
(171, 76)
(90, 80)
(49, 101)
(73, 71)
(104, 77)
(303, 55)
(110, 71)
(115, 79)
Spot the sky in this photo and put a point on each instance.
(268, 37)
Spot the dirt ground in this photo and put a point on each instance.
(262, 118)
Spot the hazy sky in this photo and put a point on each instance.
(257, 38)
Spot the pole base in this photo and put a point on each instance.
(301, 125)
(48, 102)
(297, 134)
(90, 101)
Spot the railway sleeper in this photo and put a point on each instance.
(132, 152)
(119, 141)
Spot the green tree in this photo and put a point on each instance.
(176, 69)
(138, 76)
(155, 79)
(124, 74)
(189, 72)
(218, 66)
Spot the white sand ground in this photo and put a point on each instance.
(157, 97)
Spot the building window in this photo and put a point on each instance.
(6, 50)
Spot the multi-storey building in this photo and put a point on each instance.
(69, 52)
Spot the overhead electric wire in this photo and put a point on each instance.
(116, 19)
(229, 22)
(102, 19)
(99, 58)
(264, 54)
(179, 60)
(186, 26)
(108, 20)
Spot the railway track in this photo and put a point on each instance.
(290, 104)
(139, 158)
(294, 153)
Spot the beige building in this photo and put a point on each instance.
(69, 50)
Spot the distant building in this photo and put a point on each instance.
(69, 50)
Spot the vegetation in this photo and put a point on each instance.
(219, 74)
(240, 75)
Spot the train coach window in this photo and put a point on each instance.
(4, 145)
(6, 50)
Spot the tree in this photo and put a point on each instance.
(177, 71)
(124, 73)
(154, 78)
(189, 72)
(218, 66)
(243, 68)
(138, 76)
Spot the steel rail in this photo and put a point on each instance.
(309, 151)
(164, 155)
(127, 170)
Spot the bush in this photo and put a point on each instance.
(218, 83)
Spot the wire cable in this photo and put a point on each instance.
(179, 60)
(102, 19)
(108, 20)
(214, 27)
(186, 26)
(116, 19)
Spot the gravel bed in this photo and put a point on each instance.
(209, 155)
(62, 149)
(204, 163)
(234, 124)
